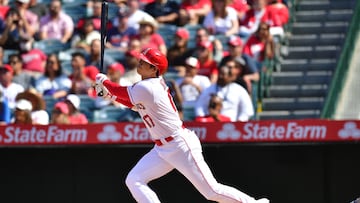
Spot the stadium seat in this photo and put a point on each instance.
(66, 67)
(49, 46)
(117, 55)
(76, 12)
(107, 114)
(188, 113)
(87, 102)
(168, 33)
(7, 53)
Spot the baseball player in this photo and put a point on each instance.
(176, 147)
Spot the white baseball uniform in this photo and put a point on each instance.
(182, 151)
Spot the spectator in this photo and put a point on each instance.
(7, 86)
(192, 84)
(38, 8)
(250, 23)
(4, 8)
(22, 113)
(118, 37)
(222, 19)
(57, 24)
(85, 35)
(60, 114)
(278, 16)
(5, 111)
(20, 76)
(28, 18)
(82, 82)
(208, 66)
(236, 46)
(39, 115)
(192, 12)
(53, 82)
(95, 54)
(131, 76)
(134, 45)
(136, 14)
(237, 104)
(164, 11)
(241, 6)
(260, 45)
(93, 12)
(33, 59)
(15, 30)
(75, 115)
(2, 56)
(203, 36)
(214, 109)
(179, 51)
(148, 36)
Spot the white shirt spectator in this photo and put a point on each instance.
(237, 103)
(11, 92)
(59, 83)
(221, 25)
(40, 117)
(189, 92)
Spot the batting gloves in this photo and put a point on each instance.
(100, 78)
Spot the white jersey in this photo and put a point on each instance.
(156, 107)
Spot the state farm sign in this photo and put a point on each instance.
(36, 135)
(135, 133)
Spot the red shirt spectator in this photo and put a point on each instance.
(34, 60)
(208, 66)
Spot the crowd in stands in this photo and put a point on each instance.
(50, 54)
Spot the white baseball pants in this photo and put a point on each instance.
(184, 153)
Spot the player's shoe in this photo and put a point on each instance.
(263, 200)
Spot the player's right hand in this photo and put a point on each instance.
(100, 78)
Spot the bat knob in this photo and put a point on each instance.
(100, 94)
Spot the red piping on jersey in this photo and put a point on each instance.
(121, 93)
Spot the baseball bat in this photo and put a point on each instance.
(104, 19)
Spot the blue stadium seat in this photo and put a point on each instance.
(168, 33)
(117, 55)
(107, 114)
(76, 12)
(49, 46)
(7, 53)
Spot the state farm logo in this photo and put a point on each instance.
(228, 131)
(350, 130)
(109, 133)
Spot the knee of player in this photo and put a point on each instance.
(133, 180)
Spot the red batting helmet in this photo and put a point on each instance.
(155, 58)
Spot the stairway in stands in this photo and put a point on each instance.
(298, 90)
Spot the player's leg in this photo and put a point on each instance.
(190, 162)
(148, 168)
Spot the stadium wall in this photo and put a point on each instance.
(283, 172)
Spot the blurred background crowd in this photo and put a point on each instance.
(218, 52)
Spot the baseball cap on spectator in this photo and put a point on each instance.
(240, 60)
(193, 62)
(62, 107)
(6, 68)
(235, 41)
(182, 33)
(91, 71)
(133, 53)
(117, 67)
(206, 44)
(74, 100)
(24, 105)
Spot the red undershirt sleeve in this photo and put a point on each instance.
(121, 93)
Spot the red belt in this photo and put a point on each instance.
(167, 139)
